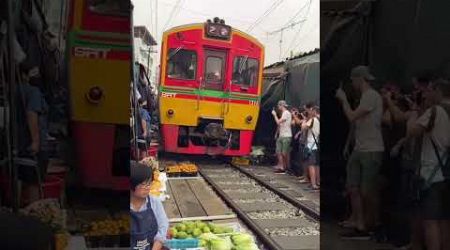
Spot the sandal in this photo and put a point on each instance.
(304, 181)
(346, 224)
(312, 188)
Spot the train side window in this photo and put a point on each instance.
(110, 7)
(182, 64)
(245, 71)
(214, 66)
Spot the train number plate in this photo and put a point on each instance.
(254, 103)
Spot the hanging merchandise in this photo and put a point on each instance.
(19, 55)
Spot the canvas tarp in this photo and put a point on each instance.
(300, 86)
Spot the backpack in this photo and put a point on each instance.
(446, 165)
(444, 161)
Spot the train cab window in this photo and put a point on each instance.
(110, 7)
(182, 64)
(214, 66)
(245, 71)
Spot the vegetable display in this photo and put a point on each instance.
(213, 236)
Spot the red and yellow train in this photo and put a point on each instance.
(99, 60)
(210, 89)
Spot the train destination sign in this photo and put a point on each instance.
(218, 31)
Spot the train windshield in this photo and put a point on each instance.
(182, 64)
(245, 71)
(110, 7)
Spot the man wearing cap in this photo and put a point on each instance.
(366, 159)
(284, 139)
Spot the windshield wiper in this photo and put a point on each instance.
(175, 52)
(242, 64)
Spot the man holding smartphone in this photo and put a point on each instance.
(283, 141)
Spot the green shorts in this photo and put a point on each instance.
(283, 145)
(363, 170)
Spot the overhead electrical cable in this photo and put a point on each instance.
(299, 30)
(264, 15)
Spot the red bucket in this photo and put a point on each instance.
(5, 186)
(59, 171)
(53, 187)
(153, 151)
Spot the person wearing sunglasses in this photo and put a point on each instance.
(149, 223)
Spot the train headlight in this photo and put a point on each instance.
(170, 112)
(249, 119)
(94, 95)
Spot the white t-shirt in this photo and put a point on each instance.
(368, 136)
(285, 127)
(441, 137)
(310, 142)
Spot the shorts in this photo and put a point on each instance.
(363, 170)
(283, 145)
(28, 173)
(142, 145)
(435, 202)
(310, 157)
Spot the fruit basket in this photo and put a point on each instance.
(209, 236)
(184, 169)
(111, 232)
(181, 243)
(240, 161)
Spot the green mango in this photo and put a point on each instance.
(181, 235)
(197, 232)
(181, 227)
(206, 229)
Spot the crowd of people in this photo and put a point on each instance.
(399, 159)
(299, 126)
(145, 109)
(37, 100)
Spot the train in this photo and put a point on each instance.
(209, 89)
(99, 55)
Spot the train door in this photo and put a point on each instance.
(214, 70)
(214, 80)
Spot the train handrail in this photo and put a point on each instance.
(198, 92)
(229, 99)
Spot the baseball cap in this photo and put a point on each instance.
(362, 71)
(282, 103)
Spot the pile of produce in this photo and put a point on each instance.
(236, 241)
(191, 229)
(150, 162)
(157, 184)
(184, 168)
(213, 236)
(49, 212)
(117, 226)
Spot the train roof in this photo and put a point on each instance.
(201, 25)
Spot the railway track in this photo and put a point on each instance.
(276, 216)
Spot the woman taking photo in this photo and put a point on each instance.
(149, 222)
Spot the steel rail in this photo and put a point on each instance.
(308, 211)
(260, 233)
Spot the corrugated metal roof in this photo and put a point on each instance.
(311, 56)
(142, 32)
